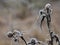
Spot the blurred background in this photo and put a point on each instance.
(23, 15)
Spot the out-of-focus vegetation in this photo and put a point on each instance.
(23, 6)
(22, 14)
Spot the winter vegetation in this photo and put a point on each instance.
(29, 22)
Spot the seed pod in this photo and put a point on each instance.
(10, 34)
